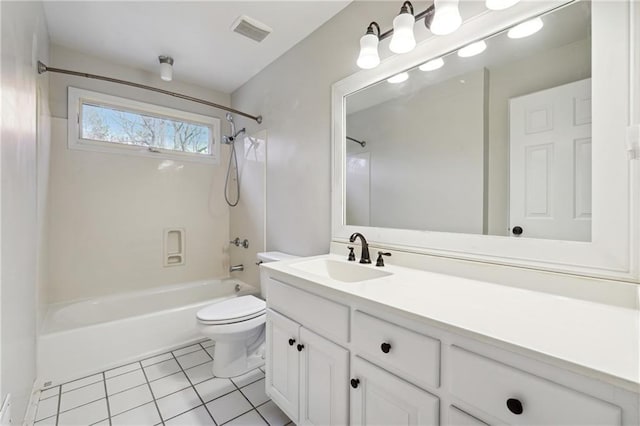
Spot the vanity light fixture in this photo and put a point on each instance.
(442, 17)
(432, 65)
(526, 29)
(500, 4)
(166, 67)
(369, 57)
(398, 78)
(403, 40)
(446, 17)
(472, 49)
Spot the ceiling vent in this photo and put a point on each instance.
(250, 28)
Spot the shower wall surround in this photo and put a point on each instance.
(109, 211)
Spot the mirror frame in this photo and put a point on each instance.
(614, 249)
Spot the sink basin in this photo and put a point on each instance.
(339, 271)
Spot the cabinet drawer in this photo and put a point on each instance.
(488, 385)
(458, 417)
(411, 355)
(321, 315)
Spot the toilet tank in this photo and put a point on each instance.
(267, 257)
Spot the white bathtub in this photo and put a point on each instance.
(81, 338)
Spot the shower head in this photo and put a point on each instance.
(232, 138)
(229, 117)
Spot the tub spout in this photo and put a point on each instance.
(236, 268)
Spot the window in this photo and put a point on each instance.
(111, 124)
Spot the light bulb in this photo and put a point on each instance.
(368, 57)
(472, 49)
(500, 4)
(398, 78)
(403, 40)
(432, 65)
(526, 28)
(446, 17)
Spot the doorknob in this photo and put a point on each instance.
(517, 230)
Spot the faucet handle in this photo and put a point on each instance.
(380, 261)
(352, 255)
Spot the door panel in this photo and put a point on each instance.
(324, 381)
(550, 163)
(282, 366)
(381, 398)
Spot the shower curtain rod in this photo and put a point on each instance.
(42, 68)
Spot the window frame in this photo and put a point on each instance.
(78, 97)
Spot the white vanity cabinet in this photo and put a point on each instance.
(307, 375)
(334, 359)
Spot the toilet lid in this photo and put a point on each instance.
(232, 310)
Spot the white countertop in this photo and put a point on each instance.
(598, 337)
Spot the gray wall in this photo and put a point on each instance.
(294, 96)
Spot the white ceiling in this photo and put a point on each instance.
(196, 34)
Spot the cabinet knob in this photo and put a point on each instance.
(515, 406)
(517, 230)
(291, 342)
(355, 383)
(385, 347)
(300, 347)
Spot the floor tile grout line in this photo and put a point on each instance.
(133, 408)
(152, 394)
(58, 410)
(106, 396)
(191, 409)
(194, 388)
(240, 415)
(249, 401)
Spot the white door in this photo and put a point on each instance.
(550, 166)
(324, 381)
(282, 364)
(358, 189)
(380, 398)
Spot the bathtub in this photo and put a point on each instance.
(85, 337)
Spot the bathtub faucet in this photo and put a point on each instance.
(236, 268)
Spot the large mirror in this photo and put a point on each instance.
(491, 139)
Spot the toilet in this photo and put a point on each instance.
(237, 326)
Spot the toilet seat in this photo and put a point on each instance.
(231, 311)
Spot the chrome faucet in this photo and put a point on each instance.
(364, 254)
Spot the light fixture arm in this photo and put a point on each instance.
(427, 14)
(370, 28)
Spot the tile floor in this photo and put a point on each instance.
(175, 388)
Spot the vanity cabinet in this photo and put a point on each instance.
(378, 397)
(306, 374)
(333, 360)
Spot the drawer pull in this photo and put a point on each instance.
(291, 342)
(385, 347)
(515, 406)
(355, 383)
(300, 347)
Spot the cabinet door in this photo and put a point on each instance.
(324, 381)
(282, 363)
(381, 398)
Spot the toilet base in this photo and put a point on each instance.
(227, 365)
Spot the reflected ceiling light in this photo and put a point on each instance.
(526, 28)
(446, 17)
(403, 40)
(398, 78)
(500, 4)
(369, 57)
(432, 65)
(166, 67)
(472, 49)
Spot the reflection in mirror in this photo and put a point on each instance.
(492, 139)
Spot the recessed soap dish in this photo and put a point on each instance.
(174, 247)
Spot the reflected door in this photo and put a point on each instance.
(550, 163)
